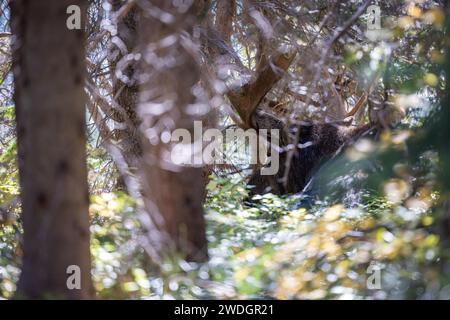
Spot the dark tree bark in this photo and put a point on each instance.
(173, 193)
(49, 73)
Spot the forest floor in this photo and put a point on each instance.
(276, 248)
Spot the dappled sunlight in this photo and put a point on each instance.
(224, 149)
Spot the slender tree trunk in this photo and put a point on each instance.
(173, 193)
(125, 88)
(49, 73)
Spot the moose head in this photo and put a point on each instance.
(316, 141)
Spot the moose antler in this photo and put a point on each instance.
(247, 98)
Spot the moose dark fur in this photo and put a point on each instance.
(320, 142)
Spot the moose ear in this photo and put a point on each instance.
(247, 98)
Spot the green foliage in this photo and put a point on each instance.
(275, 249)
(7, 113)
(10, 228)
(10, 233)
(322, 252)
(9, 184)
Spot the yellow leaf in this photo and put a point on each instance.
(435, 16)
(431, 240)
(130, 286)
(396, 190)
(342, 268)
(296, 214)
(414, 11)
(436, 56)
(241, 274)
(431, 79)
(333, 213)
(405, 22)
(250, 254)
(426, 221)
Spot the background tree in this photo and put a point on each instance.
(171, 98)
(125, 87)
(49, 73)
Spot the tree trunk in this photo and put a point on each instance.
(49, 73)
(125, 87)
(173, 193)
